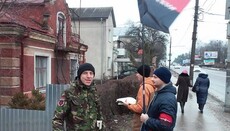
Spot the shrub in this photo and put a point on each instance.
(22, 101)
(19, 101)
(113, 89)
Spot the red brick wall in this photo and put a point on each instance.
(10, 70)
(53, 71)
(28, 74)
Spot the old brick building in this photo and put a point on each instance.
(36, 46)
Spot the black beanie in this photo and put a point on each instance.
(85, 67)
(163, 73)
(146, 70)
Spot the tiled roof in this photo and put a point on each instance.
(12, 19)
(26, 1)
(92, 13)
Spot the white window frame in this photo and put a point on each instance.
(48, 68)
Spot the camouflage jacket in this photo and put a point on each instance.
(79, 107)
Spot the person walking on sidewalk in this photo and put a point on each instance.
(149, 91)
(183, 82)
(202, 85)
(162, 111)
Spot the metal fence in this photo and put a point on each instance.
(32, 120)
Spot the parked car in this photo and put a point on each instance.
(125, 73)
(177, 67)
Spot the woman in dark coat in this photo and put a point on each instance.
(183, 82)
(203, 83)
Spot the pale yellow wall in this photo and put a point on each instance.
(96, 35)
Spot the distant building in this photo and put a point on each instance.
(95, 26)
(123, 60)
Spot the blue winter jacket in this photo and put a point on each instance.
(203, 83)
(164, 101)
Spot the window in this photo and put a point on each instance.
(41, 69)
(61, 30)
(74, 68)
(110, 36)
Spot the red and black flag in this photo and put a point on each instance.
(160, 14)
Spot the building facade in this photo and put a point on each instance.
(95, 26)
(37, 46)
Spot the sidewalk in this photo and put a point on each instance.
(193, 120)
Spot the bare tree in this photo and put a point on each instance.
(214, 45)
(154, 44)
(5, 5)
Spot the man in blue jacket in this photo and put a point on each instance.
(161, 114)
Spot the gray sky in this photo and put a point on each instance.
(212, 25)
(124, 9)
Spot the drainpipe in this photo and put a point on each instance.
(21, 65)
(21, 38)
(102, 49)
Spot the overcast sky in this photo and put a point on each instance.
(211, 25)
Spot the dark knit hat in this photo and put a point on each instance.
(85, 67)
(146, 70)
(164, 74)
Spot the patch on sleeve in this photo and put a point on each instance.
(61, 102)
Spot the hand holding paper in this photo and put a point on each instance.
(126, 100)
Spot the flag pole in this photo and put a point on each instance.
(143, 71)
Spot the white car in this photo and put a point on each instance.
(177, 67)
(197, 69)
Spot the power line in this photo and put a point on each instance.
(208, 13)
(211, 5)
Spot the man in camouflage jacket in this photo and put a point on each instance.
(79, 105)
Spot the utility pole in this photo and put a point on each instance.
(192, 59)
(227, 90)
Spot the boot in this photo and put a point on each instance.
(182, 107)
(201, 107)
